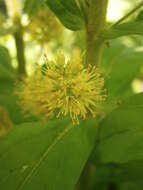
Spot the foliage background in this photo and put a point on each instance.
(105, 154)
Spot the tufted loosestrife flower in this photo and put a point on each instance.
(44, 26)
(63, 88)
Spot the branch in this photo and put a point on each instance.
(128, 14)
(96, 24)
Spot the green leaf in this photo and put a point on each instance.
(121, 134)
(7, 82)
(6, 70)
(68, 13)
(71, 6)
(10, 101)
(130, 28)
(30, 7)
(121, 68)
(100, 178)
(124, 70)
(45, 155)
(131, 186)
(129, 172)
(140, 16)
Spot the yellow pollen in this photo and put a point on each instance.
(63, 88)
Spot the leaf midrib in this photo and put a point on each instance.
(44, 155)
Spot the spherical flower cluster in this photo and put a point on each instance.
(44, 26)
(63, 88)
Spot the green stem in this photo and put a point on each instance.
(13, 10)
(129, 14)
(19, 42)
(96, 23)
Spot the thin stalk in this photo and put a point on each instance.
(96, 23)
(14, 12)
(128, 14)
(19, 42)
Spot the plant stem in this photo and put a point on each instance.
(14, 12)
(19, 42)
(96, 23)
(129, 14)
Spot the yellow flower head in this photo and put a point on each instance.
(44, 26)
(63, 88)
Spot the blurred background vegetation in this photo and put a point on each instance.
(29, 30)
